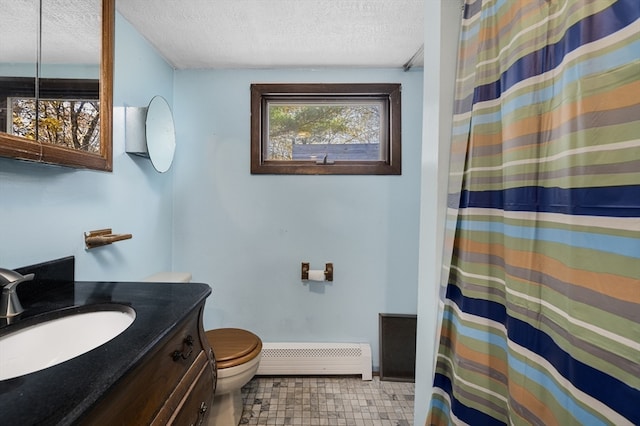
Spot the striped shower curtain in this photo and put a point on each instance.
(540, 315)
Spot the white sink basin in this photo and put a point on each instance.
(52, 342)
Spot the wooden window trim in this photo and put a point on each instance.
(261, 94)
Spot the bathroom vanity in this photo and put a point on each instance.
(160, 370)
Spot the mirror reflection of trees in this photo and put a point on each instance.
(73, 124)
(59, 53)
(308, 124)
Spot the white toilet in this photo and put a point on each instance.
(237, 353)
(169, 277)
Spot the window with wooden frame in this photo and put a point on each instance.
(344, 129)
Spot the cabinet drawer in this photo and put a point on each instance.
(136, 398)
(191, 401)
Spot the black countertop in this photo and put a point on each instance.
(62, 393)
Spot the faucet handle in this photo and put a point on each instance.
(10, 279)
(9, 303)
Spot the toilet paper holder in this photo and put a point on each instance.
(328, 271)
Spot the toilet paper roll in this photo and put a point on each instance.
(316, 275)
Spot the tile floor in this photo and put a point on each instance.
(334, 400)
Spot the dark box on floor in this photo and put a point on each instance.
(398, 347)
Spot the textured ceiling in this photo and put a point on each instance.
(70, 31)
(280, 33)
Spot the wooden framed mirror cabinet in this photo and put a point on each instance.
(59, 81)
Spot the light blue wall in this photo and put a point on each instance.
(247, 235)
(51, 71)
(46, 209)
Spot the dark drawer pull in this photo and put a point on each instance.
(187, 348)
(201, 413)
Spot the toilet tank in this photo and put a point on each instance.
(169, 277)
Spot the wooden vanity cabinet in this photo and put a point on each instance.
(172, 385)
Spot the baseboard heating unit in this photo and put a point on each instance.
(315, 359)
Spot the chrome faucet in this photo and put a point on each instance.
(9, 303)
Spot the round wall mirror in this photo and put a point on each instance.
(160, 134)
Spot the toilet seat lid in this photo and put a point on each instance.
(233, 346)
